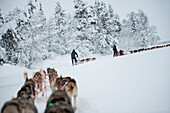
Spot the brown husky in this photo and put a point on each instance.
(52, 73)
(38, 78)
(59, 102)
(19, 105)
(24, 103)
(28, 89)
(69, 85)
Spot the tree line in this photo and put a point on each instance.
(27, 37)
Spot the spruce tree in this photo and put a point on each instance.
(1, 19)
(9, 42)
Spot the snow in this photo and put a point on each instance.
(9, 25)
(135, 83)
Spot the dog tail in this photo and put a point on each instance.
(71, 85)
(42, 73)
(25, 75)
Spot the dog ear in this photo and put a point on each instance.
(25, 75)
(44, 72)
(60, 76)
(41, 71)
(48, 70)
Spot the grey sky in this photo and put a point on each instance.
(158, 11)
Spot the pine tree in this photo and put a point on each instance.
(129, 34)
(133, 22)
(32, 31)
(57, 28)
(1, 23)
(143, 27)
(113, 27)
(153, 35)
(9, 42)
(31, 7)
(1, 19)
(106, 32)
(136, 32)
(85, 22)
(10, 37)
(60, 21)
(81, 14)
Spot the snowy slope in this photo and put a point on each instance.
(135, 83)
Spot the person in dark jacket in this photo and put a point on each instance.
(73, 57)
(2, 61)
(115, 51)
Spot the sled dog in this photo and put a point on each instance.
(52, 73)
(28, 89)
(69, 85)
(24, 103)
(38, 78)
(59, 102)
(19, 105)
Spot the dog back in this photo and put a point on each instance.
(19, 105)
(59, 102)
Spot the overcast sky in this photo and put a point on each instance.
(158, 11)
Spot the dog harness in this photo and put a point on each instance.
(52, 76)
(64, 84)
(57, 103)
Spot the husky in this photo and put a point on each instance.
(80, 61)
(52, 73)
(28, 89)
(93, 59)
(24, 103)
(59, 102)
(69, 85)
(87, 59)
(19, 105)
(38, 78)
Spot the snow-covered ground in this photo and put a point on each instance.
(135, 83)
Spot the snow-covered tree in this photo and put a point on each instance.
(60, 18)
(85, 22)
(31, 7)
(1, 24)
(1, 19)
(32, 46)
(136, 32)
(2, 52)
(113, 27)
(56, 31)
(153, 35)
(9, 42)
(108, 27)
(29, 38)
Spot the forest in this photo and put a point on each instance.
(27, 37)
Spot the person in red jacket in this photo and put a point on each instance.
(121, 52)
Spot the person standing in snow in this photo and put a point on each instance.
(115, 51)
(73, 57)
